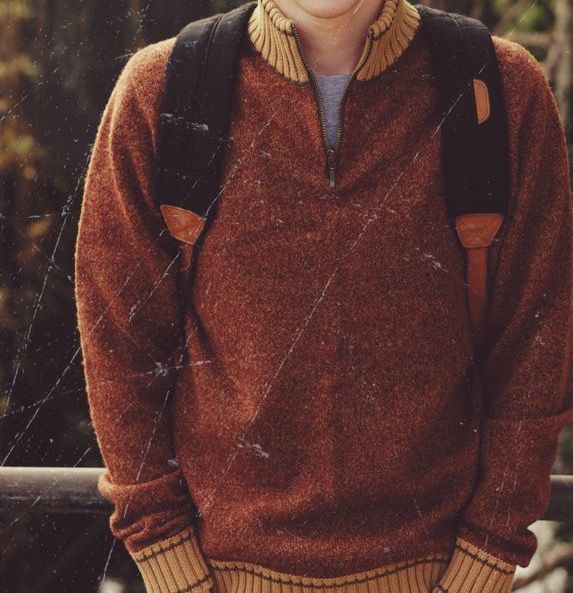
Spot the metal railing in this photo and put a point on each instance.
(74, 490)
(52, 490)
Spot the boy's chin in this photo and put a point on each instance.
(324, 9)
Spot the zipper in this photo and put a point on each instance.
(332, 153)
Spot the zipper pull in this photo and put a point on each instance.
(332, 167)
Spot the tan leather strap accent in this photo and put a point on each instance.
(481, 94)
(186, 226)
(479, 229)
(476, 277)
(182, 224)
(476, 232)
(186, 259)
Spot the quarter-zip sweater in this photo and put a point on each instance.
(306, 423)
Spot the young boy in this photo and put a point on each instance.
(306, 423)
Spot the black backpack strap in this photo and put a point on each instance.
(475, 142)
(476, 169)
(193, 123)
(195, 109)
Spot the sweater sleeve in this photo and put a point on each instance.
(527, 368)
(129, 320)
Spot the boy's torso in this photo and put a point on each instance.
(329, 334)
(324, 422)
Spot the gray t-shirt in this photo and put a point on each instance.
(332, 87)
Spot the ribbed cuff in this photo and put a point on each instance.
(174, 565)
(472, 569)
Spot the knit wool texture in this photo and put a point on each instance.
(321, 422)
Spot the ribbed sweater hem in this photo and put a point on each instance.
(177, 565)
(416, 575)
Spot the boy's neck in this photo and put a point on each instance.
(333, 44)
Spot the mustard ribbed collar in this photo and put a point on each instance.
(273, 35)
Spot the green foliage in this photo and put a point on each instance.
(538, 18)
(15, 9)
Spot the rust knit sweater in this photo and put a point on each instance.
(306, 424)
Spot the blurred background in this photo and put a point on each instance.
(59, 60)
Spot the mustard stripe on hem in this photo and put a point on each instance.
(176, 564)
(416, 575)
